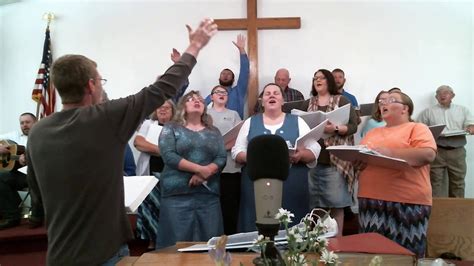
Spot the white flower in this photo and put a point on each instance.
(284, 215)
(293, 231)
(328, 257)
(323, 242)
(313, 234)
(298, 259)
(298, 238)
(259, 239)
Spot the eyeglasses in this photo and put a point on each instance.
(164, 107)
(389, 101)
(195, 98)
(220, 93)
(102, 81)
(321, 78)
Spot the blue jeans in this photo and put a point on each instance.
(189, 217)
(328, 188)
(123, 251)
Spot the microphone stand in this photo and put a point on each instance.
(270, 255)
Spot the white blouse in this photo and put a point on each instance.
(241, 141)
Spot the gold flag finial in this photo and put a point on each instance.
(49, 16)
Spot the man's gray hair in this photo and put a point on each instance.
(444, 87)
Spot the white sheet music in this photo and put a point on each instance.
(136, 188)
(339, 116)
(231, 135)
(314, 134)
(23, 170)
(451, 133)
(246, 240)
(153, 133)
(364, 154)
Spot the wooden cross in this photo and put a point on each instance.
(252, 23)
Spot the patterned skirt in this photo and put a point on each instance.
(148, 215)
(403, 223)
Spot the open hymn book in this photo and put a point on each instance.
(231, 135)
(452, 133)
(246, 240)
(314, 134)
(136, 188)
(364, 154)
(339, 116)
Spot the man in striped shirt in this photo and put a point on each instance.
(282, 79)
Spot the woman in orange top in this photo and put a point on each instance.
(397, 203)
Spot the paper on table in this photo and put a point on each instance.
(153, 133)
(314, 134)
(246, 240)
(364, 154)
(136, 188)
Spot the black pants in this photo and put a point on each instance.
(10, 183)
(230, 201)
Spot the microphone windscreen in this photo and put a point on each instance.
(267, 157)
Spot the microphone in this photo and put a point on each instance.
(268, 166)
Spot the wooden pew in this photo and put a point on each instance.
(451, 228)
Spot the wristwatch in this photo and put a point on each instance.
(336, 130)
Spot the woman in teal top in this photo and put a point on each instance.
(376, 118)
(194, 155)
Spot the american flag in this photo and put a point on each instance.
(43, 92)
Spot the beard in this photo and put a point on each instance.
(226, 83)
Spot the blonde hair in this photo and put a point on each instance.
(173, 110)
(180, 116)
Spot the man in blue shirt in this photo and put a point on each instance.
(340, 79)
(238, 93)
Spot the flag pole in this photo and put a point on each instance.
(48, 16)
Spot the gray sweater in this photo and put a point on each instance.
(76, 166)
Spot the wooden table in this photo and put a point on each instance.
(170, 256)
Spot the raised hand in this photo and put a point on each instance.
(200, 37)
(240, 43)
(175, 55)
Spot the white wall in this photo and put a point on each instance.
(414, 45)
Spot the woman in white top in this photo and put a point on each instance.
(150, 163)
(274, 121)
(146, 140)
